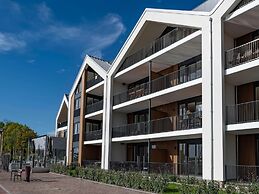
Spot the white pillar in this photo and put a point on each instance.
(107, 129)
(218, 100)
(207, 164)
(104, 123)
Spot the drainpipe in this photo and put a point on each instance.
(211, 90)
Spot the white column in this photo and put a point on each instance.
(108, 124)
(207, 164)
(218, 100)
(104, 123)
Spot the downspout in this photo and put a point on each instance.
(211, 91)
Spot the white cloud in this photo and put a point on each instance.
(46, 30)
(61, 71)
(44, 12)
(10, 42)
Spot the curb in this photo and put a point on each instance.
(110, 185)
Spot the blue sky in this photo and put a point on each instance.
(42, 44)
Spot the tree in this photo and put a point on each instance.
(16, 138)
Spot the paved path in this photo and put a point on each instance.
(48, 183)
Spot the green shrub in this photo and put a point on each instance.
(136, 180)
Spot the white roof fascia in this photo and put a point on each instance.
(95, 66)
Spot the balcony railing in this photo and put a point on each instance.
(157, 45)
(242, 173)
(94, 107)
(242, 4)
(93, 135)
(242, 54)
(243, 113)
(93, 81)
(187, 74)
(63, 124)
(168, 124)
(191, 168)
(92, 163)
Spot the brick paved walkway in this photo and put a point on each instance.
(48, 183)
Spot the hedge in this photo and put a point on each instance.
(135, 180)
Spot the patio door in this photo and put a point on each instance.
(190, 157)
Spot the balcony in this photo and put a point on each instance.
(157, 45)
(242, 113)
(93, 81)
(242, 173)
(242, 54)
(193, 168)
(191, 121)
(187, 74)
(93, 135)
(62, 124)
(94, 107)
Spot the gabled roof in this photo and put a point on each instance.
(64, 101)
(176, 17)
(100, 66)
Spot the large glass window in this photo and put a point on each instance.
(75, 154)
(190, 157)
(77, 103)
(76, 128)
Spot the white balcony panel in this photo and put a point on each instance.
(97, 89)
(98, 115)
(93, 142)
(172, 135)
(242, 74)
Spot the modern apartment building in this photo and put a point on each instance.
(180, 97)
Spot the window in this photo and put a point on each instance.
(95, 126)
(79, 88)
(77, 103)
(76, 128)
(190, 106)
(75, 154)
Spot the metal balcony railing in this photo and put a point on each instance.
(191, 121)
(92, 163)
(157, 45)
(187, 74)
(63, 124)
(242, 4)
(242, 113)
(94, 107)
(242, 54)
(191, 168)
(93, 81)
(242, 173)
(93, 135)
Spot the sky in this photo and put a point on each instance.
(43, 43)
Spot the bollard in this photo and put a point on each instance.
(27, 173)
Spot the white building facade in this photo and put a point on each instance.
(181, 96)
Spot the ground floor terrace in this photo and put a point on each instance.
(178, 157)
(242, 160)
